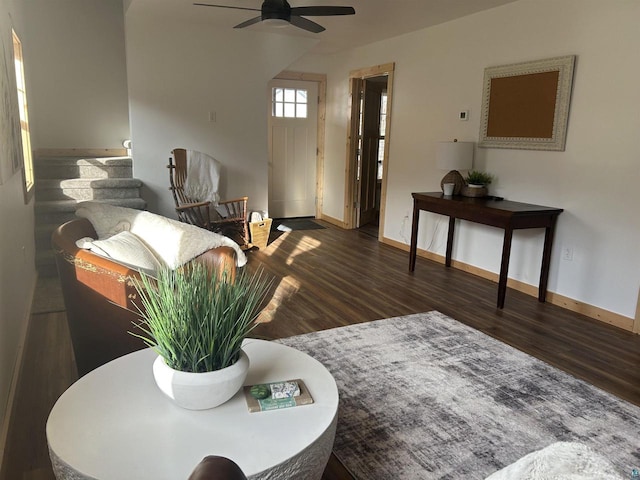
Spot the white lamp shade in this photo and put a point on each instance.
(455, 155)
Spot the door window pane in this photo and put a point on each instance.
(383, 113)
(289, 95)
(289, 110)
(289, 102)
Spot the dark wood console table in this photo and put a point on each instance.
(497, 213)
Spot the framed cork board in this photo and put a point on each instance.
(526, 105)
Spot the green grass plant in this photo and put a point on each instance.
(475, 177)
(196, 320)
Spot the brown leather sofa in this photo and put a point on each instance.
(100, 297)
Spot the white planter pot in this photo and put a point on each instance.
(199, 391)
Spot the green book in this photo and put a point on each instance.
(268, 403)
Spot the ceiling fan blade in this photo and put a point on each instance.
(226, 6)
(322, 11)
(249, 22)
(305, 24)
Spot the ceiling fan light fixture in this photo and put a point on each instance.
(276, 22)
(278, 13)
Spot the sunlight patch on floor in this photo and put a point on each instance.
(286, 289)
(305, 245)
(274, 244)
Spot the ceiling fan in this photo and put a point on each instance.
(282, 11)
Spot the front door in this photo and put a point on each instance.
(293, 146)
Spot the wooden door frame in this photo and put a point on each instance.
(321, 80)
(355, 76)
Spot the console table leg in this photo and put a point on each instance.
(546, 261)
(504, 266)
(452, 227)
(414, 237)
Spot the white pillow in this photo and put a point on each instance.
(124, 248)
(560, 461)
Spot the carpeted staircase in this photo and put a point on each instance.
(63, 181)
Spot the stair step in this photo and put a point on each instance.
(73, 183)
(77, 167)
(65, 161)
(63, 206)
(64, 181)
(50, 215)
(61, 211)
(87, 188)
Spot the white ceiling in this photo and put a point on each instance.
(374, 19)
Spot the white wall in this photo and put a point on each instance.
(439, 72)
(17, 270)
(75, 56)
(177, 74)
(76, 82)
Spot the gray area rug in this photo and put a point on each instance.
(426, 397)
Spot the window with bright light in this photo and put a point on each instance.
(383, 129)
(24, 118)
(289, 102)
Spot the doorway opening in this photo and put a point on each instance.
(368, 148)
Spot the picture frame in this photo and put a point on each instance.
(526, 105)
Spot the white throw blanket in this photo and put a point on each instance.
(203, 177)
(175, 243)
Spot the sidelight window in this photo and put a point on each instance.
(382, 130)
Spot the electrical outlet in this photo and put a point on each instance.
(567, 253)
(405, 228)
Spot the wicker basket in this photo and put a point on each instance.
(468, 191)
(260, 232)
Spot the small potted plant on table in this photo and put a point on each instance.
(196, 320)
(476, 184)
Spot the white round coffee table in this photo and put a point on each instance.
(114, 423)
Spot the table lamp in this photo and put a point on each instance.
(454, 156)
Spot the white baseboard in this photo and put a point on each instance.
(332, 221)
(590, 311)
(636, 321)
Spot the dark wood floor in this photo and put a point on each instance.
(332, 277)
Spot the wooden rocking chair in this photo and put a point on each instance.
(228, 218)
